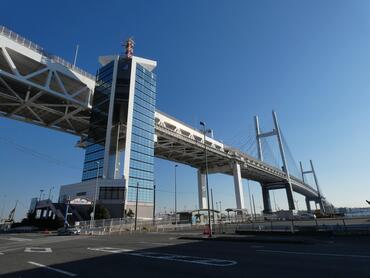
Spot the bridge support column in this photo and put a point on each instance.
(202, 190)
(266, 200)
(308, 205)
(239, 195)
(289, 194)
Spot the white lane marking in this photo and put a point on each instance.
(154, 243)
(186, 259)
(315, 254)
(257, 246)
(18, 239)
(38, 250)
(54, 269)
(111, 249)
(2, 253)
(167, 256)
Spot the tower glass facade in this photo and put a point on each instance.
(123, 113)
(98, 123)
(141, 173)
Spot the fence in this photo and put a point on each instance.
(35, 47)
(318, 224)
(228, 225)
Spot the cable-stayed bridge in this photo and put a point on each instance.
(46, 90)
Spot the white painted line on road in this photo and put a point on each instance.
(111, 249)
(2, 253)
(315, 254)
(154, 243)
(53, 269)
(167, 257)
(18, 239)
(257, 246)
(38, 250)
(186, 259)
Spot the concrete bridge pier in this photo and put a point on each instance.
(308, 205)
(202, 190)
(266, 199)
(238, 184)
(289, 193)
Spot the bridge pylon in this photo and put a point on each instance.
(320, 198)
(288, 184)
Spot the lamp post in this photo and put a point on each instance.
(137, 200)
(96, 193)
(213, 208)
(41, 190)
(154, 204)
(175, 196)
(51, 188)
(206, 165)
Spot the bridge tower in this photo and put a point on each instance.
(319, 199)
(288, 184)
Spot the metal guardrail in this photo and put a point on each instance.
(35, 47)
(232, 224)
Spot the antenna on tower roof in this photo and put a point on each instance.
(129, 47)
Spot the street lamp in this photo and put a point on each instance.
(175, 196)
(206, 165)
(96, 193)
(41, 190)
(51, 188)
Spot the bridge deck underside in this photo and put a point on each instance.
(26, 103)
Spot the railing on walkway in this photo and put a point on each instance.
(35, 47)
(228, 225)
(318, 224)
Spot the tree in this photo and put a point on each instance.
(130, 213)
(101, 212)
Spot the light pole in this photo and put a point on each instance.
(154, 204)
(51, 188)
(175, 196)
(206, 165)
(41, 190)
(137, 200)
(213, 208)
(96, 193)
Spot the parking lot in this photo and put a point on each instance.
(165, 255)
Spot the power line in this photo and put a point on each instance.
(36, 154)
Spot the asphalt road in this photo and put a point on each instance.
(164, 255)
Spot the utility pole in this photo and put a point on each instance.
(175, 196)
(92, 218)
(137, 199)
(41, 190)
(213, 209)
(51, 188)
(206, 165)
(154, 204)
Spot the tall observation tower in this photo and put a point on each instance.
(122, 131)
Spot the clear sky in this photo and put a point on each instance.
(218, 61)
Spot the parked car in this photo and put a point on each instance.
(67, 231)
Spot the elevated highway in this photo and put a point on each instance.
(43, 89)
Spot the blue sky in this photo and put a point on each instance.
(218, 61)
